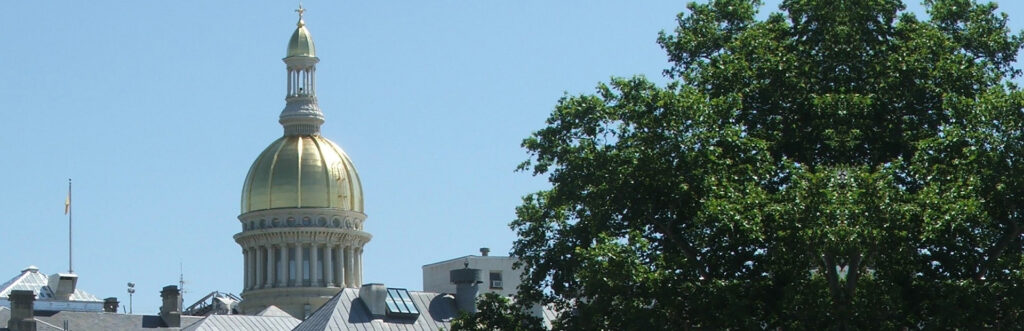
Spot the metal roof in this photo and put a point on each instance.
(273, 311)
(5, 315)
(243, 322)
(87, 321)
(347, 312)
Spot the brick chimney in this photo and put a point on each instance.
(110, 305)
(170, 312)
(22, 311)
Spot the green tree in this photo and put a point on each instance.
(495, 312)
(841, 164)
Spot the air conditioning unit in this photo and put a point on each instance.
(495, 284)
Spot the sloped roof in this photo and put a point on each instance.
(5, 315)
(85, 321)
(273, 311)
(37, 282)
(347, 312)
(243, 322)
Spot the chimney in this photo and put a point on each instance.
(110, 305)
(466, 287)
(22, 310)
(484, 251)
(62, 285)
(170, 312)
(374, 296)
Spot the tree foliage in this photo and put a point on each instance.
(841, 164)
(495, 312)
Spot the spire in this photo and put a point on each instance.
(301, 114)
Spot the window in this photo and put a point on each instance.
(399, 303)
(496, 279)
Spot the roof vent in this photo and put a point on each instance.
(31, 268)
(62, 285)
(373, 296)
(484, 251)
(466, 288)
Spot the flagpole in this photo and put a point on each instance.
(70, 269)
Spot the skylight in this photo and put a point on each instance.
(399, 303)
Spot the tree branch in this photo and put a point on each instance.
(996, 250)
(686, 248)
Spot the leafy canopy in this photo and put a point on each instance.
(841, 164)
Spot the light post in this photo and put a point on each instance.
(131, 292)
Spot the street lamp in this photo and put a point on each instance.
(131, 292)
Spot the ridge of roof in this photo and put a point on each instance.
(475, 257)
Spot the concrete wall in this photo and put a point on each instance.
(435, 275)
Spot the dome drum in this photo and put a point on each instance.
(324, 236)
(302, 218)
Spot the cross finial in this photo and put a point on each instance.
(300, 11)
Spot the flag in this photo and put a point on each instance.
(67, 202)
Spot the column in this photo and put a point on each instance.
(282, 270)
(252, 267)
(341, 266)
(349, 281)
(259, 268)
(271, 266)
(245, 269)
(329, 264)
(359, 266)
(301, 275)
(314, 265)
(296, 279)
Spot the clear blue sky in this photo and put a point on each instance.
(156, 109)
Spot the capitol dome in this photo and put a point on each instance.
(302, 212)
(299, 171)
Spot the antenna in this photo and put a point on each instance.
(181, 280)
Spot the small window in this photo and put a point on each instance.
(496, 279)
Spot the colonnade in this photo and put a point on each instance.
(302, 81)
(303, 265)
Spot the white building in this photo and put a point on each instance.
(497, 273)
(57, 292)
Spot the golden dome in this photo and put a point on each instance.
(301, 43)
(302, 171)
